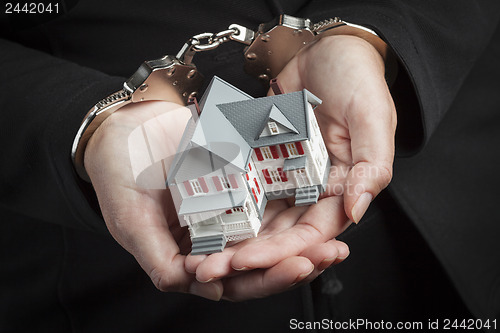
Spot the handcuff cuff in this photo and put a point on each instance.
(269, 49)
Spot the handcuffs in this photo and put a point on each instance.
(269, 49)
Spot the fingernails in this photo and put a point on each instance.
(361, 206)
(206, 281)
(303, 276)
(326, 263)
(343, 256)
(209, 290)
(244, 268)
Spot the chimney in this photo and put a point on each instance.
(276, 87)
(192, 104)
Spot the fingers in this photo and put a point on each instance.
(324, 255)
(320, 223)
(215, 266)
(192, 262)
(372, 126)
(264, 282)
(287, 273)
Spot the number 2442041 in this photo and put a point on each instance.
(31, 8)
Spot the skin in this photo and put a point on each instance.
(295, 244)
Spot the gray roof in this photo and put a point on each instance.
(230, 125)
(250, 116)
(198, 161)
(202, 203)
(212, 143)
(216, 133)
(295, 163)
(219, 91)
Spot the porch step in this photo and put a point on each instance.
(305, 196)
(208, 244)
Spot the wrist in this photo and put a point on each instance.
(372, 38)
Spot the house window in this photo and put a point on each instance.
(295, 149)
(225, 183)
(195, 185)
(292, 149)
(266, 153)
(273, 128)
(275, 176)
(282, 174)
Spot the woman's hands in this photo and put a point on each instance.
(357, 120)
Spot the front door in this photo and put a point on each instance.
(301, 178)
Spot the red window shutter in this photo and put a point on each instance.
(267, 177)
(256, 185)
(248, 178)
(229, 211)
(203, 184)
(300, 150)
(232, 181)
(284, 151)
(250, 166)
(217, 183)
(255, 196)
(283, 176)
(274, 151)
(188, 187)
(258, 153)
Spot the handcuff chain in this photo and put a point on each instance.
(213, 40)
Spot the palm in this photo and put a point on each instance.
(348, 75)
(124, 160)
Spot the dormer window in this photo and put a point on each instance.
(273, 128)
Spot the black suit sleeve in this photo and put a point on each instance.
(42, 102)
(436, 42)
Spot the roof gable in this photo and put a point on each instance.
(250, 116)
(282, 123)
(219, 91)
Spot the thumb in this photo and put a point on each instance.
(372, 126)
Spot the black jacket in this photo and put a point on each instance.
(52, 72)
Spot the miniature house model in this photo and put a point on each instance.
(240, 153)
